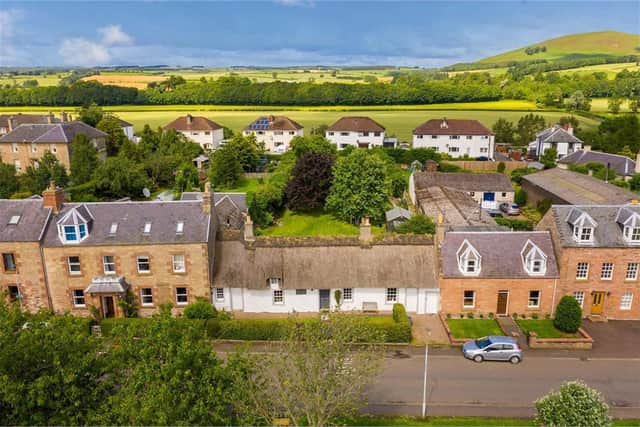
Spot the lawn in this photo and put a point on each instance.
(317, 223)
(473, 328)
(544, 328)
(244, 186)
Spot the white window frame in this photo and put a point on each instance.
(626, 301)
(606, 271)
(579, 296)
(538, 298)
(347, 294)
(180, 227)
(277, 296)
(632, 234)
(106, 263)
(148, 297)
(75, 298)
(632, 271)
(391, 295)
(584, 276)
(147, 228)
(179, 263)
(148, 262)
(464, 299)
(70, 264)
(180, 295)
(218, 294)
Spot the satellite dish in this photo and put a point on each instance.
(146, 192)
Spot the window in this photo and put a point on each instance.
(109, 264)
(471, 266)
(392, 294)
(9, 262)
(53, 148)
(78, 298)
(504, 194)
(14, 220)
(274, 282)
(330, 133)
(278, 296)
(579, 296)
(207, 132)
(469, 299)
(180, 227)
(14, 293)
(301, 291)
(147, 228)
(626, 300)
(178, 264)
(632, 234)
(146, 296)
(278, 132)
(194, 133)
(376, 134)
(219, 294)
(70, 234)
(113, 229)
(582, 270)
(182, 296)
(607, 271)
(419, 136)
(434, 136)
(536, 266)
(534, 299)
(632, 271)
(143, 264)
(74, 264)
(347, 294)
(454, 136)
(292, 132)
(484, 149)
(17, 165)
(344, 133)
(454, 149)
(583, 234)
(14, 147)
(469, 137)
(34, 148)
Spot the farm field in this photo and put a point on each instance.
(602, 105)
(610, 69)
(48, 80)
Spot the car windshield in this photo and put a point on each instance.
(483, 342)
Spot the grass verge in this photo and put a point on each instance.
(473, 328)
(544, 328)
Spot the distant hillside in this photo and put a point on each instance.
(603, 43)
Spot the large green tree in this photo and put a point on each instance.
(225, 169)
(578, 101)
(309, 186)
(360, 187)
(84, 159)
(528, 126)
(504, 131)
(91, 114)
(549, 158)
(318, 144)
(120, 177)
(36, 179)
(116, 137)
(8, 180)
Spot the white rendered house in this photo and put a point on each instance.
(275, 132)
(201, 130)
(558, 137)
(456, 138)
(359, 132)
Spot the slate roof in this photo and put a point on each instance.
(556, 134)
(464, 181)
(131, 218)
(397, 212)
(238, 199)
(51, 133)
(356, 124)
(451, 127)
(198, 123)
(122, 123)
(623, 165)
(273, 123)
(579, 189)
(33, 220)
(19, 119)
(500, 253)
(607, 233)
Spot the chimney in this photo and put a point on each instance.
(590, 172)
(638, 163)
(569, 129)
(440, 229)
(365, 230)
(63, 116)
(189, 119)
(248, 230)
(10, 122)
(444, 123)
(50, 117)
(586, 148)
(53, 197)
(206, 199)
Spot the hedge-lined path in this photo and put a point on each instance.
(427, 328)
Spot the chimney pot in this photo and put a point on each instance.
(10, 122)
(53, 197)
(63, 116)
(569, 129)
(50, 117)
(189, 119)
(249, 236)
(206, 199)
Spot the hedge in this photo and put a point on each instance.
(139, 323)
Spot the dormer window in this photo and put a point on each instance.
(73, 227)
(583, 234)
(583, 226)
(630, 222)
(533, 259)
(469, 259)
(180, 227)
(632, 234)
(147, 228)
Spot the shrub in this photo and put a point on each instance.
(253, 329)
(201, 309)
(137, 325)
(520, 197)
(399, 313)
(515, 224)
(575, 404)
(568, 314)
(417, 224)
(469, 315)
(501, 167)
(391, 330)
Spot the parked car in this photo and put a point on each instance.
(493, 348)
(510, 208)
(494, 213)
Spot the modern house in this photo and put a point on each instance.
(623, 166)
(558, 137)
(275, 132)
(455, 137)
(25, 145)
(598, 251)
(498, 273)
(9, 122)
(359, 132)
(201, 130)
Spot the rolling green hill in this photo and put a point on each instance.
(598, 44)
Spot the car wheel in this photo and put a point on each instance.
(477, 358)
(514, 360)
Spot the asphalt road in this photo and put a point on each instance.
(458, 387)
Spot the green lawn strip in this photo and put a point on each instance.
(473, 328)
(244, 185)
(318, 223)
(544, 328)
(436, 421)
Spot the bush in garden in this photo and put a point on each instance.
(568, 315)
(575, 404)
(201, 309)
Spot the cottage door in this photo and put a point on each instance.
(597, 303)
(503, 301)
(108, 309)
(325, 299)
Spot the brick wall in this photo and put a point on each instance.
(28, 276)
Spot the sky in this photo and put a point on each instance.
(290, 32)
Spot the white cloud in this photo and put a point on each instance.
(83, 52)
(308, 3)
(8, 19)
(113, 35)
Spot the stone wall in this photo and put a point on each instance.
(28, 276)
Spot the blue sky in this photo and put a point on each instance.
(291, 32)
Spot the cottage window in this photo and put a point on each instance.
(274, 282)
(344, 133)
(207, 133)
(292, 133)
(347, 294)
(579, 296)
(219, 294)
(182, 296)
(17, 165)
(376, 133)
(70, 234)
(484, 137)
(434, 136)
(632, 271)
(454, 149)
(454, 136)
(74, 265)
(471, 266)
(534, 299)
(301, 291)
(194, 133)
(109, 264)
(582, 270)
(113, 229)
(419, 136)
(34, 148)
(626, 301)
(278, 132)
(607, 271)
(9, 262)
(53, 149)
(469, 299)
(535, 261)
(178, 264)
(146, 296)
(144, 265)
(484, 149)
(583, 234)
(278, 296)
(330, 133)
(78, 298)
(392, 294)
(469, 137)
(14, 293)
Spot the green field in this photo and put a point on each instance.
(43, 80)
(599, 105)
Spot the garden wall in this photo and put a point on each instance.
(584, 343)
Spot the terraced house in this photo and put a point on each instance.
(598, 251)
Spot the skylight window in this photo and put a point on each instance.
(147, 228)
(114, 228)
(180, 227)
(14, 219)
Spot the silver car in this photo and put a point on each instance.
(510, 208)
(493, 348)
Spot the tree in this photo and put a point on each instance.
(120, 177)
(360, 187)
(568, 314)
(301, 145)
(187, 178)
(564, 121)
(161, 169)
(614, 105)
(504, 131)
(246, 150)
(575, 404)
(634, 183)
(49, 168)
(91, 114)
(225, 169)
(417, 224)
(528, 126)
(626, 151)
(309, 186)
(316, 376)
(578, 101)
(84, 159)
(116, 136)
(319, 130)
(549, 157)
(8, 180)
(501, 167)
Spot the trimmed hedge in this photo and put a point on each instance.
(568, 314)
(254, 329)
(139, 323)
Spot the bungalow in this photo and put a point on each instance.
(558, 137)
(275, 132)
(201, 130)
(359, 132)
(457, 138)
(621, 165)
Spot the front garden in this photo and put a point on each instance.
(473, 328)
(543, 328)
